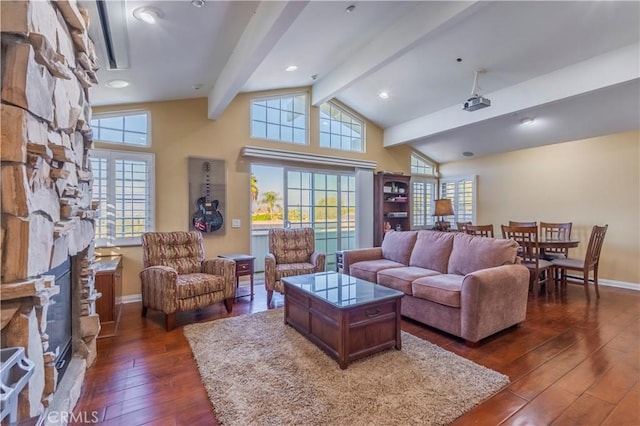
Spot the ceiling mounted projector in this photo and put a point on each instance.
(476, 101)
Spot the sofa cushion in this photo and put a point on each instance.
(192, 285)
(432, 250)
(401, 278)
(471, 253)
(368, 269)
(397, 246)
(444, 289)
(285, 270)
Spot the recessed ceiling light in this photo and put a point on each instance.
(117, 84)
(468, 154)
(150, 15)
(384, 95)
(350, 8)
(527, 120)
(197, 3)
(291, 68)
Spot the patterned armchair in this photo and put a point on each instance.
(291, 252)
(177, 278)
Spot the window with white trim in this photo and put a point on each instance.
(340, 129)
(123, 183)
(420, 166)
(423, 195)
(462, 192)
(123, 128)
(280, 118)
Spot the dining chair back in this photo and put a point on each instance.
(527, 239)
(462, 226)
(590, 262)
(516, 223)
(556, 231)
(480, 230)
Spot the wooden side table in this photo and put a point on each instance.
(244, 266)
(109, 282)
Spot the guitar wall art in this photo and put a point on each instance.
(207, 217)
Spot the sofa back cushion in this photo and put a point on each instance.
(471, 253)
(397, 246)
(291, 245)
(432, 250)
(180, 250)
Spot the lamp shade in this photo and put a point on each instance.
(443, 207)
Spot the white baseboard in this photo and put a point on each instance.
(132, 298)
(619, 284)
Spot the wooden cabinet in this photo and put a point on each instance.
(109, 283)
(392, 204)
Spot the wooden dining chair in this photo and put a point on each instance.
(480, 230)
(556, 231)
(515, 223)
(586, 265)
(539, 269)
(462, 226)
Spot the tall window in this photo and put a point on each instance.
(423, 193)
(420, 166)
(124, 128)
(123, 183)
(462, 192)
(280, 118)
(340, 129)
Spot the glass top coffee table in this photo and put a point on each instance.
(347, 317)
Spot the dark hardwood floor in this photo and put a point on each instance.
(570, 363)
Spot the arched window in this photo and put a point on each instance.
(340, 129)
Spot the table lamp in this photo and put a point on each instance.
(443, 208)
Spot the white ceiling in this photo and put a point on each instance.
(573, 66)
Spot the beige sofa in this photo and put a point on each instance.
(468, 286)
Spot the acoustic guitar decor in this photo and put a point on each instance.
(207, 218)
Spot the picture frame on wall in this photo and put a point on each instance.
(207, 195)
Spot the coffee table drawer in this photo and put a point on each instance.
(372, 313)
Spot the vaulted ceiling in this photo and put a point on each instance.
(573, 67)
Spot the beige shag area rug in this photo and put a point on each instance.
(258, 371)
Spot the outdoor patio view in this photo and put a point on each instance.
(289, 197)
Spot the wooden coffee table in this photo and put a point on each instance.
(347, 317)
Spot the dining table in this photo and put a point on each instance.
(545, 243)
(561, 243)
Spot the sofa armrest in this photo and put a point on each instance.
(219, 266)
(350, 257)
(225, 268)
(493, 299)
(158, 287)
(318, 259)
(269, 271)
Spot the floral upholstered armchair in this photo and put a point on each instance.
(291, 252)
(176, 277)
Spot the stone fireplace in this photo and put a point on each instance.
(48, 67)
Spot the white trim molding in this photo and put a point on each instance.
(619, 284)
(132, 298)
(301, 157)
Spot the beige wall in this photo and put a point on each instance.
(587, 182)
(181, 129)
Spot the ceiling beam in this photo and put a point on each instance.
(269, 23)
(391, 43)
(611, 68)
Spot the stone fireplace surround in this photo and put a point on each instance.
(48, 67)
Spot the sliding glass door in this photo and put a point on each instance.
(297, 198)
